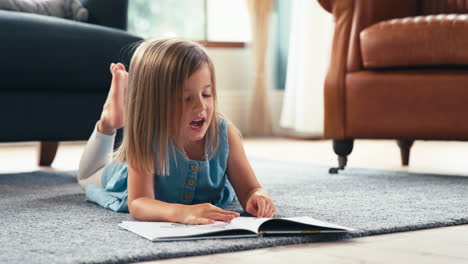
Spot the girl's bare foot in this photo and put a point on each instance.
(113, 113)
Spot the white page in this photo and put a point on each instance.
(311, 221)
(249, 223)
(156, 230)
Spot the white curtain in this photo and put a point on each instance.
(260, 116)
(309, 54)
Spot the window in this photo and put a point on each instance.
(208, 20)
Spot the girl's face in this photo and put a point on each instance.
(197, 105)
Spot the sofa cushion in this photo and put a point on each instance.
(70, 9)
(432, 40)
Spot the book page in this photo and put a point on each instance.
(249, 223)
(311, 221)
(300, 225)
(159, 230)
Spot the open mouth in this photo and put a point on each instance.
(198, 123)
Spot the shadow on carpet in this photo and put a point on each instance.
(45, 218)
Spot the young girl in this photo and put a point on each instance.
(179, 160)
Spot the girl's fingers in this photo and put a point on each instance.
(221, 217)
(225, 212)
(272, 211)
(203, 221)
(266, 211)
(261, 207)
(251, 208)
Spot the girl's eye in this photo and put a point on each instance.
(189, 99)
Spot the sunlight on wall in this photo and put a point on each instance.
(228, 20)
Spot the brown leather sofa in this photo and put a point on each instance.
(398, 70)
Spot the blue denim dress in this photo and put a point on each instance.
(188, 182)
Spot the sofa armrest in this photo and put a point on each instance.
(351, 17)
(53, 55)
(326, 4)
(334, 96)
(111, 13)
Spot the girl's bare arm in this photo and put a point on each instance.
(144, 207)
(141, 202)
(253, 198)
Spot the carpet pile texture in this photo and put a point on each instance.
(45, 218)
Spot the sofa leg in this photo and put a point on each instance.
(342, 148)
(405, 147)
(46, 152)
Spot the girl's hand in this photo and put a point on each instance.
(206, 213)
(259, 204)
(113, 113)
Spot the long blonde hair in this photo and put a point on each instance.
(157, 73)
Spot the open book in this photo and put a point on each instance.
(237, 228)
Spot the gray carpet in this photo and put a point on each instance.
(45, 219)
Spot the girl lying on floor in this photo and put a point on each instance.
(179, 161)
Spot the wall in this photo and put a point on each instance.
(234, 77)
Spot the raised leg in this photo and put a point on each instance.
(405, 147)
(46, 152)
(342, 148)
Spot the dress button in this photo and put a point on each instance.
(191, 182)
(188, 196)
(194, 167)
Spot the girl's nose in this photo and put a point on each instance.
(199, 104)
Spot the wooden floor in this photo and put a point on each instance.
(439, 245)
